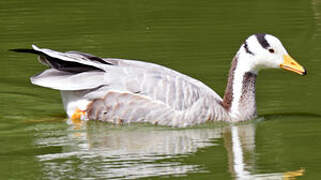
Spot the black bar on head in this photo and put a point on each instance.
(246, 47)
(261, 38)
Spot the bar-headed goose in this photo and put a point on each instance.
(125, 91)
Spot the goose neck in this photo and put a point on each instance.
(239, 97)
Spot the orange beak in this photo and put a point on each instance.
(291, 65)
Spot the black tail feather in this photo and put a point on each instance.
(90, 56)
(69, 66)
(32, 51)
(61, 65)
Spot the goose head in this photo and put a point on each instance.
(262, 51)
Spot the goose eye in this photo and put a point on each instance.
(271, 50)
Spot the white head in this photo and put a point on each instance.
(261, 51)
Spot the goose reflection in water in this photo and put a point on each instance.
(129, 152)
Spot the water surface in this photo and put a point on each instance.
(198, 38)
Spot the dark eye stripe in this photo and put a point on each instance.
(261, 38)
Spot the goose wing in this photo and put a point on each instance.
(156, 82)
(145, 92)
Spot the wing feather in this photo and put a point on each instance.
(156, 82)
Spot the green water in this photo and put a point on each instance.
(198, 38)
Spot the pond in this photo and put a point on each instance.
(197, 38)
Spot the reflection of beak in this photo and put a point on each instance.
(291, 65)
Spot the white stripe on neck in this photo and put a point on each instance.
(243, 66)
